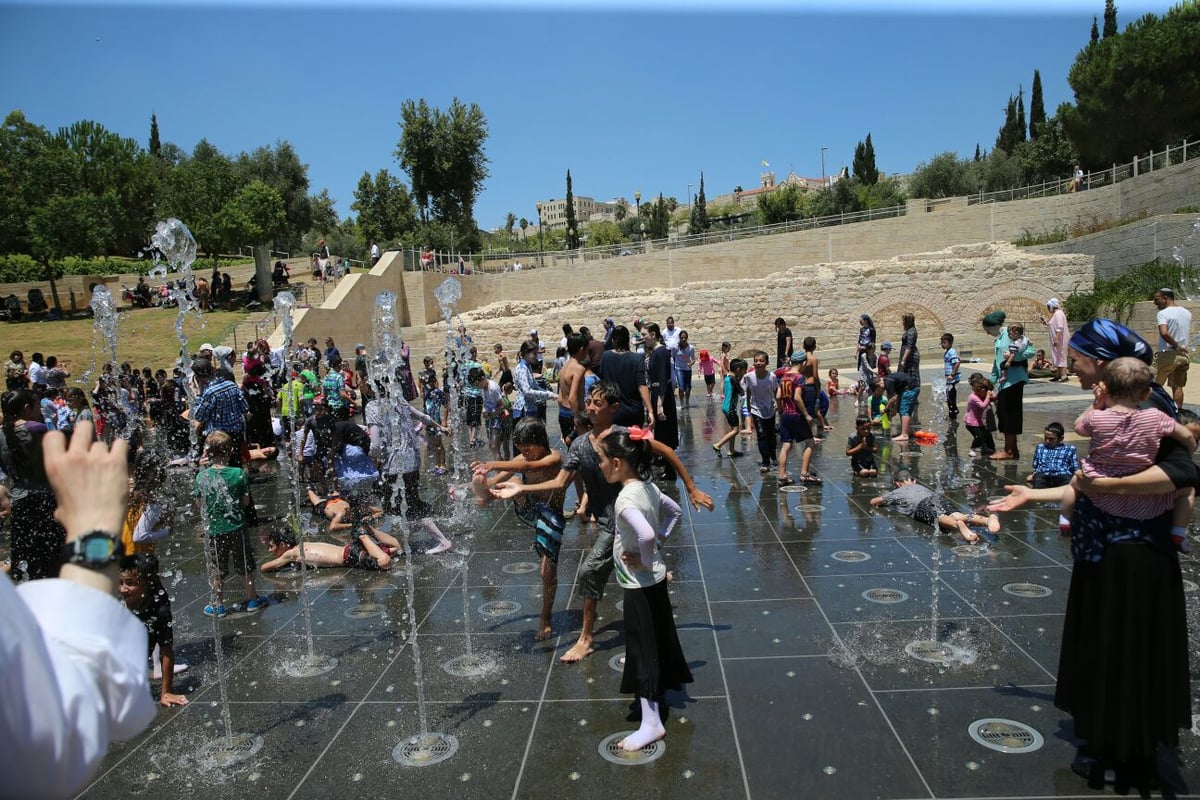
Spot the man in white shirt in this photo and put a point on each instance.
(374, 253)
(670, 336)
(1171, 362)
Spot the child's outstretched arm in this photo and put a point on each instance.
(1182, 435)
(877, 501)
(289, 557)
(510, 489)
(698, 498)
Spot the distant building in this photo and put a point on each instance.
(554, 212)
(767, 184)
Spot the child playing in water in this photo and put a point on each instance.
(654, 660)
(833, 386)
(731, 406)
(224, 494)
(861, 448)
(143, 594)
(978, 405)
(369, 551)
(708, 368)
(919, 502)
(543, 511)
(1125, 440)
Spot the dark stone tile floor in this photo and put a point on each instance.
(803, 684)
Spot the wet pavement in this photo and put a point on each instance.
(838, 652)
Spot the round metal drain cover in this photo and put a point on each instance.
(851, 555)
(520, 567)
(470, 666)
(885, 596)
(617, 663)
(1027, 589)
(932, 652)
(364, 610)
(1190, 586)
(971, 551)
(227, 752)
(610, 750)
(310, 666)
(499, 608)
(425, 749)
(810, 507)
(795, 487)
(1005, 735)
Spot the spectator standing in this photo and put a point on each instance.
(1059, 333)
(1174, 335)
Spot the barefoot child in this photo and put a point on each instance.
(143, 594)
(543, 511)
(224, 495)
(920, 503)
(1125, 440)
(708, 368)
(978, 405)
(731, 406)
(654, 660)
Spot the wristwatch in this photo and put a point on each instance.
(94, 550)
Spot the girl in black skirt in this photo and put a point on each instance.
(654, 660)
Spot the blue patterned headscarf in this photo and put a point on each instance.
(1105, 340)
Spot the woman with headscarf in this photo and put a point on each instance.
(1058, 338)
(1010, 386)
(1123, 664)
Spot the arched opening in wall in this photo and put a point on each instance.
(1024, 309)
(888, 326)
(750, 348)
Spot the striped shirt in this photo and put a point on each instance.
(1124, 443)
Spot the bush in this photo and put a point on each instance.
(20, 268)
(1114, 297)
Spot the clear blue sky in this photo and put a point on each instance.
(628, 96)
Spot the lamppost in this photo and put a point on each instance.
(823, 149)
(689, 196)
(637, 198)
(539, 210)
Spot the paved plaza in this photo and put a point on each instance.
(838, 652)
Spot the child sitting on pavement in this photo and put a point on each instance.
(1054, 461)
(861, 448)
(543, 511)
(919, 502)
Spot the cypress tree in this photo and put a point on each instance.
(155, 144)
(978, 157)
(1037, 108)
(698, 223)
(865, 170)
(572, 225)
(1020, 129)
(1110, 19)
(1095, 30)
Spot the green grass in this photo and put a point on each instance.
(145, 337)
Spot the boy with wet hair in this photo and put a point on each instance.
(861, 448)
(1054, 461)
(370, 551)
(919, 502)
(224, 494)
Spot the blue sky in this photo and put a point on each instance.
(627, 95)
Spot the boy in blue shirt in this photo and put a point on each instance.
(1054, 462)
(950, 362)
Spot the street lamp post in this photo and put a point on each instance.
(689, 196)
(637, 198)
(539, 210)
(823, 149)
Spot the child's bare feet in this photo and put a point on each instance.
(578, 652)
(440, 547)
(993, 523)
(545, 633)
(970, 536)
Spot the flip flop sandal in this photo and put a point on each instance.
(810, 479)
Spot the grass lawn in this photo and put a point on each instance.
(145, 337)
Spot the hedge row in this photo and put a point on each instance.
(22, 268)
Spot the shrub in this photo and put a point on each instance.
(1114, 297)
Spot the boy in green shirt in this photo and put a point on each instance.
(224, 495)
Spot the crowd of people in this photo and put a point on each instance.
(358, 430)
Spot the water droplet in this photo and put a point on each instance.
(687, 773)
(790, 673)
(806, 717)
(933, 712)
(829, 770)
(391, 723)
(253, 776)
(583, 723)
(391, 688)
(574, 776)
(972, 765)
(487, 723)
(1036, 707)
(299, 723)
(358, 776)
(466, 776)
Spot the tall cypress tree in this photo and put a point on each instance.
(1110, 18)
(865, 170)
(1020, 129)
(572, 225)
(978, 155)
(1037, 108)
(155, 144)
(1095, 30)
(698, 223)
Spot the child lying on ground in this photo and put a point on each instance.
(919, 502)
(369, 551)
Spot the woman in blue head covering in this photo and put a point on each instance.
(1123, 663)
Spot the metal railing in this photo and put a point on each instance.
(1140, 165)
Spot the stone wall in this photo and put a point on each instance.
(947, 290)
(1123, 249)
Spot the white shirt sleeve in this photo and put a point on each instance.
(74, 667)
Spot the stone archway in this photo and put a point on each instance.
(886, 310)
(1021, 302)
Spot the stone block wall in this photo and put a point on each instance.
(1120, 250)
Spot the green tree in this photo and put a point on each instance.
(196, 190)
(698, 221)
(865, 171)
(572, 225)
(280, 168)
(1037, 107)
(155, 144)
(622, 209)
(944, 175)
(28, 176)
(385, 210)
(886, 193)
(510, 219)
(1050, 156)
(1021, 115)
(1137, 91)
(1110, 18)
(255, 215)
(781, 205)
(659, 224)
(443, 155)
(1095, 35)
(604, 233)
(1000, 171)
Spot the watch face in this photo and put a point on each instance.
(98, 548)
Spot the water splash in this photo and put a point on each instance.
(176, 243)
